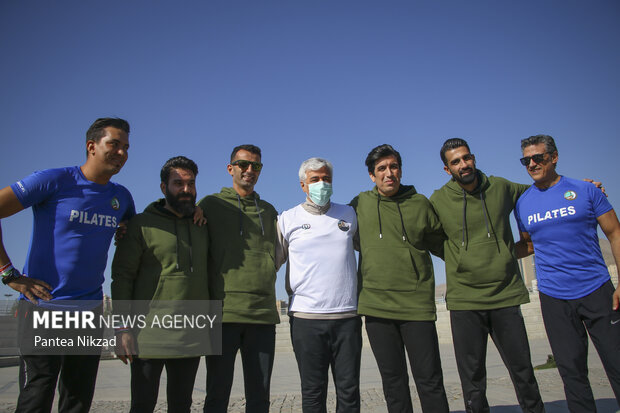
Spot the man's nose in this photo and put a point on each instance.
(122, 151)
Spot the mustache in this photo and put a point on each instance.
(184, 195)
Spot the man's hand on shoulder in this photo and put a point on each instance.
(598, 184)
(121, 230)
(199, 217)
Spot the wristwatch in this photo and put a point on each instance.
(12, 275)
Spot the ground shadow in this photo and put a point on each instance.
(558, 406)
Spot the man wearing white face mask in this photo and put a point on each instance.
(321, 280)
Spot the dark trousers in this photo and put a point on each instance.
(257, 345)
(568, 323)
(76, 377)
(145, 376)
(319, 344)
(470, 332)
(40, 373)
(389, 339)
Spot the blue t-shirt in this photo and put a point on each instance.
(562, 222)
(74, 221)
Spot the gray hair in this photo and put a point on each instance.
(536, 139)
(314, 164)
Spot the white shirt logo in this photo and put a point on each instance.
(101, 220)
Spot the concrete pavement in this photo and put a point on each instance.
(112, 392)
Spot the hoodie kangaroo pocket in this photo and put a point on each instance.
(486, 262)
(390, 269)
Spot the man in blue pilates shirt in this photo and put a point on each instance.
(76, 212)
(558, 219)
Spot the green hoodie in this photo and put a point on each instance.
(482, 272)
(395, 268)
(161, 257)
(242, 266)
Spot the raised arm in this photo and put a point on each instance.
(31, 288)
(9, 204)
(610, 226)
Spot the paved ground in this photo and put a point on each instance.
(112, 393)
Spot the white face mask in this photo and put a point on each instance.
(320, 192)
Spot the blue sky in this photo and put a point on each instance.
(303, 78)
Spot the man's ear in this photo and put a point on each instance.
(445, 168)
(90, 147)
(372, 177)
(162, 186)
(304, 187)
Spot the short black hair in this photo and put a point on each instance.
(450, 144)
(250, 148)
(536, 139)
(379, 152)
(96, 132)
(177, 162)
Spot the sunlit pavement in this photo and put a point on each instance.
(112, 393)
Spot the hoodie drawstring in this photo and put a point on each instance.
(379, 214)
(176, 232)
(240, 215)
(189, 233)
(464, 218)
(191, 257)
(260, 217)
(484, 212)
(402, 222)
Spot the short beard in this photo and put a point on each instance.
(246, 185)
(467, 179)
(183, 207)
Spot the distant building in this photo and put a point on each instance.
(107, 304)
(282, 306)
(440, 293)
(609, 260)
(528, 271)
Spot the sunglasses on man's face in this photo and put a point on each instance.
(538, 158)
(257, 166)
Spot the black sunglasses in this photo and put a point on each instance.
(538, 158)
(257, 166)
